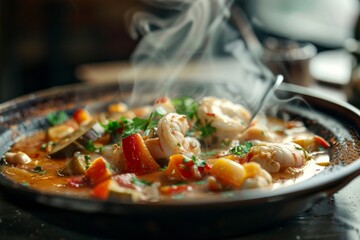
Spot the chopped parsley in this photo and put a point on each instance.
(56, 118)
(111, 126)
(132, 126)
(92, 148)
(207, 130)
(140, 182)
(186, 106)
(39, 170)
(197, 162)
(48, 144)
(241, 150)
(87, 161)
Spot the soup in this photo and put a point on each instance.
(170, 150)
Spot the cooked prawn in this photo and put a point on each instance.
(229, 119)
(171, 131)
(276, 156)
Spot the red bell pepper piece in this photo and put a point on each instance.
(137, 157)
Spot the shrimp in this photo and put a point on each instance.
(274, 157)
(229, 119)
(164, 105)
(171, 131)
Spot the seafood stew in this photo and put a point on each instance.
(173, 149)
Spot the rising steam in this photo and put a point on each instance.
(195, 43)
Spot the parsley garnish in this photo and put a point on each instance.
(140, 182)
(92, 148)
(45, 145)
(39, 170)
(136, 125)
(112, 126)
(241, 150)
(87, 161)
(197, 162)
(56, 118)
(207, 130)
(186, 106)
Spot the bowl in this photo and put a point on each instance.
(223, 215)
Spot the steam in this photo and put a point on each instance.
(196, 43)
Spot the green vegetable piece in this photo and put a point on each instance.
(39, 170)
(56, 118)
(241, 150)
(186, 106)
(76, 166)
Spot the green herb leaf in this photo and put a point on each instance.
(186, 106)
(207, 130)
(45, 145)
(39, 170)
(241, 150)
(140, 182)
(111, 126)
(197, 162)
(136, 125)
(87, 161)
(56, 118)
(92, 148)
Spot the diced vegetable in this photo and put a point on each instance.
(82, 116)
(228, 172)
(101, 191)
(17, 158)
(183, 168)
(75, 166)
(98, 171)
(117, 108)
(137, 156)
(77, 140)
(56, 118)
(252, 169)
(112, 188)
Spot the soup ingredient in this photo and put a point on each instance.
(58, 132)
(171, 131)
(181, 168)
(98, 171)
(276, 156)
(229, 119)
(137, 156)
(56, 118)
(82, 116)
(78, 140)
(75, 166)
(17, 158)
(228, 172)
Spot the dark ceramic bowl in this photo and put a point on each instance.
(219, 216)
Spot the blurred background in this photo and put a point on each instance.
(49, 43)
